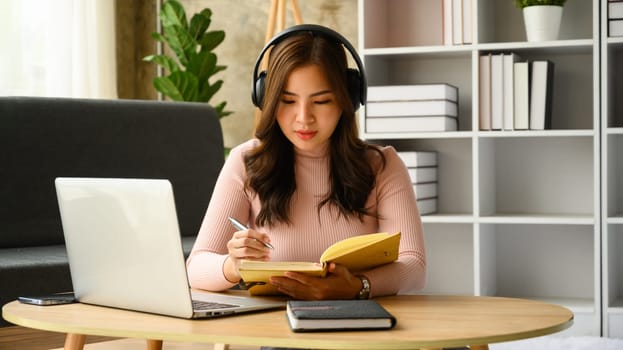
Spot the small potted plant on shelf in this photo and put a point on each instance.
(541, 18)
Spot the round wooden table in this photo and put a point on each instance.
(423, 322)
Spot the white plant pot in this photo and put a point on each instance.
(542, 22)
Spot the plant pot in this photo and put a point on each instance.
(542, 22)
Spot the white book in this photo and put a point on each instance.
(414, 159)
(521, 92)
(497, 92)
(423, 175)
(427, 206)
(447, 22)
(615, 10)
(484, 92)
(411, 108)
(414, 92)
(427, 190)
(467, 21)
(411, 124)
(615, 27)
(541, 86)
(508, 63)
(457, 22)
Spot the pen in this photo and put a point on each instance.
(237, 224)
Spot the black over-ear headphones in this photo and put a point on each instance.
(357, 85)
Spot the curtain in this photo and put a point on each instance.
(60, 48)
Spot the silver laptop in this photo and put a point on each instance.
(125, 251)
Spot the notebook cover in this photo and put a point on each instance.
(335, 315)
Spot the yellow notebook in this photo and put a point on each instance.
(356, 253)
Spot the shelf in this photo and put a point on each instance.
(485, 134)
(613, 259)
(521, 260)
(615, 40)
(584, 46)
(537, 219)
(536, 133)
(517, 209)
(448, 218)
(615, 219)
(500, 21)
(449, 266)
(548, 176)
(613, 83)
(421, 135)
(616, 306)
(613, 169)
(428, 51)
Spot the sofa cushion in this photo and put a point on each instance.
(33, 271)
(45, 138)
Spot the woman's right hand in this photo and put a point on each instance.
(247, 245)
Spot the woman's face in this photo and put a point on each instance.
(308, 111)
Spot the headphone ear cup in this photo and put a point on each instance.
(258, 91)
(354, 87)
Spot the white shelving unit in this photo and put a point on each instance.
(612, 178)
(518, 211)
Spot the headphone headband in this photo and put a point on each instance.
(258, 83)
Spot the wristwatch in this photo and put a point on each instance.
(364, 293)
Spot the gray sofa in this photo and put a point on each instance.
(44, 138)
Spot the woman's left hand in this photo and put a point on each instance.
(338, 284)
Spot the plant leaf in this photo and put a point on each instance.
(220, 110)
(165, 86)
(166, 62)
(157, 36)
(218, 69)
(200, 23)
(209, 90)
(179, 86)
(210, 40)
(202, 65)
(192, 44)
(180, 42)
(173, 13)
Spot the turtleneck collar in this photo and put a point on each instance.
(318, 154)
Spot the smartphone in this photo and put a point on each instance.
(52, 299)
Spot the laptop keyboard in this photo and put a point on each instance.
(206, 305)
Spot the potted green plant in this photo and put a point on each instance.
(193, 65)
(541, 18)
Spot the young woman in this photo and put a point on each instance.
(307, 181)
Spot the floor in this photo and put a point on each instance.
(21, 338)
(562, 343)
(136, 344)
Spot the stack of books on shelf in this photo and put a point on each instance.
(412, 108)
(515, 94)
(457, 22)
(422, 167)
(615, 18)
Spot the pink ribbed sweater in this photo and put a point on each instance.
(309, 235)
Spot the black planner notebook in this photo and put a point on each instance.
(336, 315)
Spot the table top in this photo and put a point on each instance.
(422, 322)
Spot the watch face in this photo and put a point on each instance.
(364, 293)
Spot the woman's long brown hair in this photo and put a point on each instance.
(270, 166)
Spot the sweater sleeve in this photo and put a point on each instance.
(205, 262)
(398, 212)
